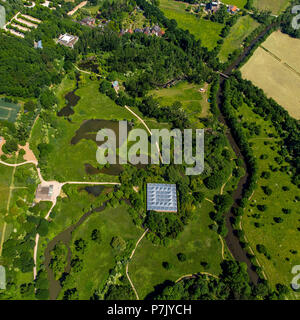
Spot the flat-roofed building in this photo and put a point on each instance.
(161, 197)
(44, 193)
(67, 40)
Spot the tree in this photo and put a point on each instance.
(10, 146)
(80, 245)
(42, 228)
(167, 265)
(47, 99)
(181, 257)
(199, 196)
(96, 236)
(77, 264)
(118, 243)
(117, 292)
(30, 106)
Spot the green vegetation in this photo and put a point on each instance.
(69, 165)
(101, 258)
(8, 111)
(198, 243)
(276, 7)
(260, 227)
(244, 26)
(239, 3)
(205, 30)
(270, 216)
(22, 224)
(193, 101)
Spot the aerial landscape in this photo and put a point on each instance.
(149, 150)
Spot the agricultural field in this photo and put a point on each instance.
(194, 102)
(244, 26)
(285, 48)
(260, 226)
(205, 30)
(8, 111)
(197, 242)
(275, 69)
(276, 7)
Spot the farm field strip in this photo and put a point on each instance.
(277, 72)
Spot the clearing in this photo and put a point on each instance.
(194, 102)
(244, 26)
(205, 30)
(197, 242)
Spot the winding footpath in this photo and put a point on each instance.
(132, 254)
(147, 128)
(57, 186)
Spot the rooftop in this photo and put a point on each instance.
(161, 197)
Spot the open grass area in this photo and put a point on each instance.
(69, 165)
(275, 7)
(197, 242)
(99, 258)
(280, 239)
(276, 73)
(239, 3)
(8, 111)
(5, 181)
(193, 101)
(205, 30)
(244, 26)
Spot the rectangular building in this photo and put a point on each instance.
(161, 197)
(67, 40)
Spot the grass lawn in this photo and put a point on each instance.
(197, 242)
(239, 3)
(99, 257)
(205, 30)
(244, 26)
(275, 6)
(278, 238)
(193, 101)
(5, 181)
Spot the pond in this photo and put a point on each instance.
(65, 237)
(72, 100)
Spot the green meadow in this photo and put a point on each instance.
(193, 101)
(280, 239)
(205, 30)
(198, 242)
(239, 3)
(244, 26)
(65, 162)
(99, 258)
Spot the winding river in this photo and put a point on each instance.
(231, 239)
